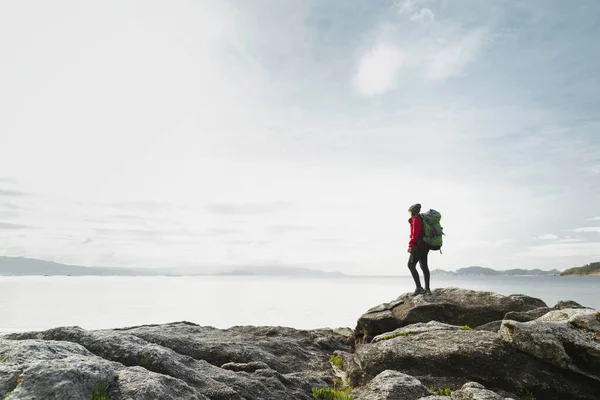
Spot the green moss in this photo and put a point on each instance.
(337, 361)
(525, 393)
(332, 394)
(101, 391)
(466, 328)
(395, 335)
(441, 391)
(144, 358)
(511, 327)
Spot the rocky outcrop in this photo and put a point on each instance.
(450, 305)
(179, 361)
(415, 347)
(466, 355)
(567, 338)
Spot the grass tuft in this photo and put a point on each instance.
(101, 391)
(441, 391)
(337, 361)
(525, 393)
(332, 394)
(395, 335)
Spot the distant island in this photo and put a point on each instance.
(21, 266)
(481, 271)
(586, 270)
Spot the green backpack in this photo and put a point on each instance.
(432, 229)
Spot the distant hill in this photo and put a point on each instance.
(20, 266)
(589, 269)
(482, 271)
(280, 271)
(30, 266)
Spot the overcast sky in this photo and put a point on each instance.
(224, 133)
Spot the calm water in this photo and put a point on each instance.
(34, 303)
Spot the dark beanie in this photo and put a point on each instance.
(415, 209)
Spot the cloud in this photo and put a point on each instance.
(11, 206)
(144, 233)
(588, 229)
(246, 208)
(594, 219)
(145, 205)
(278, 229)
(9, 226)
(406, 6)
(221, 231)
(452, 58)
(547, 236)
(7, 180)
(88, 241)
(13, 193)
(589, 249)
(377, 70)
(424, 16)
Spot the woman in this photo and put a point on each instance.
(418, 250)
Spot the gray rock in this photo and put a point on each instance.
(137, 383)
(493, 326)
(562, 304)
(475, 391)
(245, 367)
(473, 355)
(524, 316)
(52, 370)
(567, 338)
(450, 305)
(392, 385)
(416, 328)
(259, 362)
(434, 397)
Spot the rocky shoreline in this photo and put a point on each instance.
(462, 343)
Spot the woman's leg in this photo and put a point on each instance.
(425, 267)
(412, 266)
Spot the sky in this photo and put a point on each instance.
(211, 134)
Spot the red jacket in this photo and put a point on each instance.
(416, 229)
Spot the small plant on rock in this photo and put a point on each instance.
(466, 328)
(441, 391)
(525, 393)
(337, 361)
(395, 335)
(101, 391)
(511, 327)
(332, 394)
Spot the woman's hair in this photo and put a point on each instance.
(415, 209)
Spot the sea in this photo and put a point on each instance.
(33, 303)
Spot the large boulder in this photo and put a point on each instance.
(467, 355)
(36, 369)
(449, 305)
(476, 391)
(567, 338)
(196, 362)
(392, 385)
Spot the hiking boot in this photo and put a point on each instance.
(418, 291)
(427, 291)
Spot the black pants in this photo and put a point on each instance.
(419, 255)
